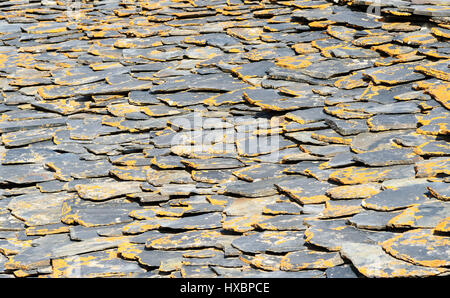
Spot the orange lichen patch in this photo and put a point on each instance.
(146, 213)
(66, 106)
(24, 273)
(197, 40)
(226, 11)
(71, 218)
(355, 175)
(408, 57)
(427, 119)
(214, 200)
(128, 161)
(424, 85)
(246, 78)
(351, 81)
(173, 211)
(147, 5)
(405, 219)
(131, 173)
(325, 50)
(438, 32)
(294, 62)
(432, 167)
(217, 100)
(124, 12)
(334, 209)
(104, 65)
(12, 264)
(393, 75)
(138, 227)
(403, 26)
(58, 172)
(436, 128)
(10, 247)
(426, 106)
(47, 27)
(236, 50)
(246, 259)
(372, 40)
(446, 26)
(385, 62)
(335, 139)
(441, 93)
(194, 239)
(93, 265)
(15, 59)
(408, 246)
(99, 192)
(362, 191)
(242, 173)
(419, 39)
(433, 69)
(433, 148)
(41, 231)
(242, 224)
(291, 90)
(434, 125)
(45, 92)
(342, 111)
(307, 200)
(266, 262)
(321, 24)
(304, 4)
(346, 34)
(142, 31)
(301, 260)
(438, 194)
(443, 226)
(259, 54)
(32, 49)
(372, 91)
(129, 251)
(309, 234)
(111, 54)
(434, 53)
(371, 261)
(202, 151)
(392, 49)
(117, 122)
(247, 34)
(398, 13)
(304, 48)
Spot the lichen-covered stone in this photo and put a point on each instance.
(425, 215)
(409, 246)
(372, 261)
(302, 260)
(305, 190)
(359, 191)
(101, 192)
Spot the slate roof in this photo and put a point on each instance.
(224, 138)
